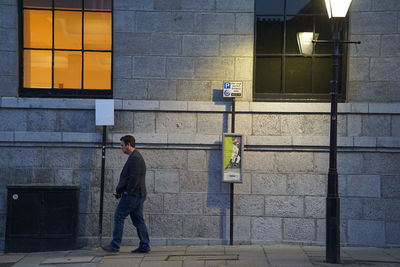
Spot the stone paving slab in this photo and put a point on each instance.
(193, 264)
(210, 256)
(169, 248)
(204, 257)
(161, 264)
(370, 254)
(6, 258)
(287, 256)
(247, 263)
(119, 262)
(73, 260)
(393, 252)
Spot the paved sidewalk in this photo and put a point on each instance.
(207, 256)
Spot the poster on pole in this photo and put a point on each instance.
(232, 158)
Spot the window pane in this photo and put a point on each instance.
(270, 7)
(37, 69)
(294, 25)
(68, 30)
(38, 3)
(97, 31)
(299, 7)
(98, 4)
(268, 75)
(37, 29)
(67, 69)
(269, 35)
(323, 28)
(322, 75)
(320, 8)
(97, 70)
(298, 75)
(68, 4)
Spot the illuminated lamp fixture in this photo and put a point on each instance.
(337, 8)
(305, 42)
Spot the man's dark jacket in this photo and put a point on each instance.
(132, 178)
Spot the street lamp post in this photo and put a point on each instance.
(332, 199)
(337, 10)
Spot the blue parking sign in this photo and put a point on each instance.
(227, 85)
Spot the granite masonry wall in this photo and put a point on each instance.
(283, 194)
(170, 58)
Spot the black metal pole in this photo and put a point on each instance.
(333, 200)
(103, 161)
(232, 184)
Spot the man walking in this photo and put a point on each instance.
(131, 192)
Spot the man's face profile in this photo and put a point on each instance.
(125, 147)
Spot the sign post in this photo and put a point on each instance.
(104, 117)
(233, 174)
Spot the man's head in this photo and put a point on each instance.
(127, 144)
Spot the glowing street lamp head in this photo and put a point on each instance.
(337, 8)
(305, 42)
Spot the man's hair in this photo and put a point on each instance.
(128, 139)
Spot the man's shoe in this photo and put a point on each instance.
(140, 250)
(108, 248)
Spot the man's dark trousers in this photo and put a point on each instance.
(130, 205)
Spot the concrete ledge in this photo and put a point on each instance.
(140, 105)
(37, 137)
(47, 103)
(310, 140)
(81, 137)
(345, 141)
(198, 139)
(209, 106)
(289, 107)
(196, 106)
(174, 105)
(194, 139)
(359, 107)
(364, 141)
(268, 140)
(243, 106)
(6, 136)
(384, 108)
(142, 138)
(388, 142)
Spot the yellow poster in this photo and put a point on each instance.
(232, 158)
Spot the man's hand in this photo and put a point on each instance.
(117, 196)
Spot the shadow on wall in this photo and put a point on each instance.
(218, 192)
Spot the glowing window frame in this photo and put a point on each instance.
(56, 92)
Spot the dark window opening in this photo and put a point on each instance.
(282, 73)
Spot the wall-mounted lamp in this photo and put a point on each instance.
(337, 8)
(305, 42)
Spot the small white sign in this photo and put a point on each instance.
(232, 89)
(104, 112)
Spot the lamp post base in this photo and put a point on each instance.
(333, 230)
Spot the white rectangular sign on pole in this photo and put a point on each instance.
(104, 112)
(232, 89)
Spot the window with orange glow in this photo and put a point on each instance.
(67, 48)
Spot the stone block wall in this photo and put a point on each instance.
(182, 50)
(374, 64)
(8, 48)
(170, 59)
(281, 199)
